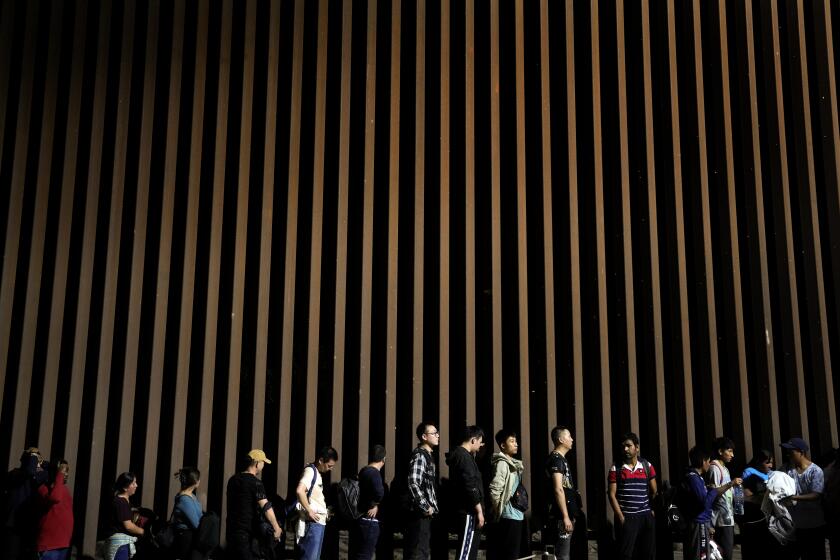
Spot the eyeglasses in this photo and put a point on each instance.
(432, 433)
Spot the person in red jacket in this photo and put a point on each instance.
(56, 526)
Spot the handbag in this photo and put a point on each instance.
(519, 498)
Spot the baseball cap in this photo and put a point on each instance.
(258, 455)
(796, 443)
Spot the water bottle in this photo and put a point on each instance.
(738, 500)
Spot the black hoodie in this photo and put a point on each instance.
(466, 480)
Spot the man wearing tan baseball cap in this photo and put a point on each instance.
(246, 497)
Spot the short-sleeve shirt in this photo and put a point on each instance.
(316, 498)
(557, 464)
(632, 490)
(723, 513)
(244, 492)
(120, 512)
(808, 514)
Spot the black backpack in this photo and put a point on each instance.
(680, 506)
(206, 537)
(348, 499)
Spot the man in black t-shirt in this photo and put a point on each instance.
(246, 501)
(371, 492)
(563, 500)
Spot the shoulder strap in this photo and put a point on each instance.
(314, 478)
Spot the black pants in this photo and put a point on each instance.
(469, 537)
(239, 547)
(637, 537)
(757, 543)
(696, 545)
(809, 545)
(418, 533)
(724, 537)
(505, 540)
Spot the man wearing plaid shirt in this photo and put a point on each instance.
(421, 485)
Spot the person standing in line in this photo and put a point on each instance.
(123, 532)
(632, 487)
(807, 511)
(506, 538)
(246, 499)
(313, 505)
(422, 488)
(563, 505)
(696, 501)
(469, 494)
(756, 541)
(55, 529)
(186, 514)
(723, 514)
(371, 493)
(18, 518)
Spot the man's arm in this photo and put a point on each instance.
(560, 499)
(269, 514)
(654, 490)
(497, 486)
(619, 515)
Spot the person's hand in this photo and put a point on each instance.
(310, 513)
(620, 518)
(371, 513)
(480, 518)
(737, 481)
(430, 512)
(568, 524)
(278, 533)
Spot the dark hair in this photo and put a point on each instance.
(377, 453)
(327, 454)
(471, 432)
(761, 456)
(723, 443)
(555, 433)
(188, 476)
(697, 456)
(503, 434)
(421, 429)
(632, 437)
(124, 481)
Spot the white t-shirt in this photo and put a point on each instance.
(316, 498)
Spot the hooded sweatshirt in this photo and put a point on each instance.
(507, 472)
(56, 526)
(466, 480)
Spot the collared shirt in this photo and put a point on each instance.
(422, 480)
(632, 490)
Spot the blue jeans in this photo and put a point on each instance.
(55, 554)
(310, 543)
(367, 535)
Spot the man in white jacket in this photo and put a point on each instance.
(506, 504)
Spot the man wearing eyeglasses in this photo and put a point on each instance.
(422, 487)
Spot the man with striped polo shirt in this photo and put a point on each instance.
(632, 486)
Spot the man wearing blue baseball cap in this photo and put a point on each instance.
(807, 512)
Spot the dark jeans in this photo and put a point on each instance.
(809, 545)
(239, 547)
(696, 545)
(365, 535)
(505, 540)
(725, 539)
(637, 537)
(418, 533)
(469, 536)
(757, 543)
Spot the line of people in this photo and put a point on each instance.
(781, 514)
